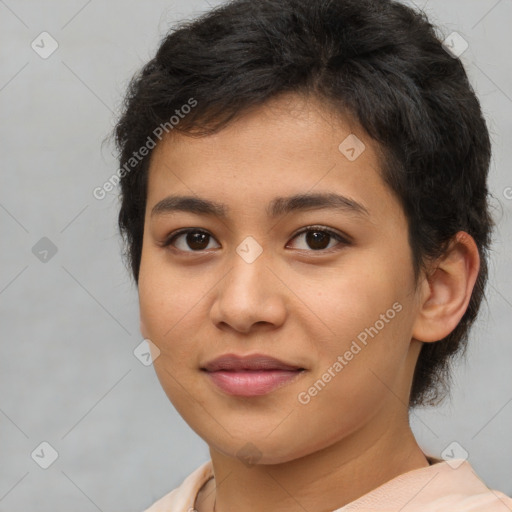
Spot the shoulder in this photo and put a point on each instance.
(463, 488)
(182, 499)
(442, 487)
(484, 501)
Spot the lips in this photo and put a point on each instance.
(250, 375)
(232, 362)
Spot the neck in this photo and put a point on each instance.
(324, 481)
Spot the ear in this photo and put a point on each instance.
(445, 293)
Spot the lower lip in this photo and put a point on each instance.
(252, 383)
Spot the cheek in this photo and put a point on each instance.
(172, 308)
(167, 315)
(168, 300)
(362, 315)
(350, 299)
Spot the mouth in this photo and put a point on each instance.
(247, 376)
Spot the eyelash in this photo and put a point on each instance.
(342, 240)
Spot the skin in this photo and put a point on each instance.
(295, 303)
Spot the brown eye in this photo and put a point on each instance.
(318, 239)
(189, 240)
(196, 240)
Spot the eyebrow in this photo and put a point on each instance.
(277, 207)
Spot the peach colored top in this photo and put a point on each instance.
(442, 487)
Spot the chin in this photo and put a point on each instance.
(259, 450)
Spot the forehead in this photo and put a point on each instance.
(288, 147)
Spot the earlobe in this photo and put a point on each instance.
(447, 290)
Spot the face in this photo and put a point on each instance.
(325, 287)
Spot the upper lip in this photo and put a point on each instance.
(235, 362)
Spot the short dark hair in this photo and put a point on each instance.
(378, 61)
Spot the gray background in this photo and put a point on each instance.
(68, 375)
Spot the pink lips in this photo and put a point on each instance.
(250, 375)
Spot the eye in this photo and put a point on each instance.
(195, 239)
(318, 237)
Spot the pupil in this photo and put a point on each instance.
(197, 240)
(317, 239)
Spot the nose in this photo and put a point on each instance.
(251, 296)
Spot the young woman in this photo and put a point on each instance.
(305, 209)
